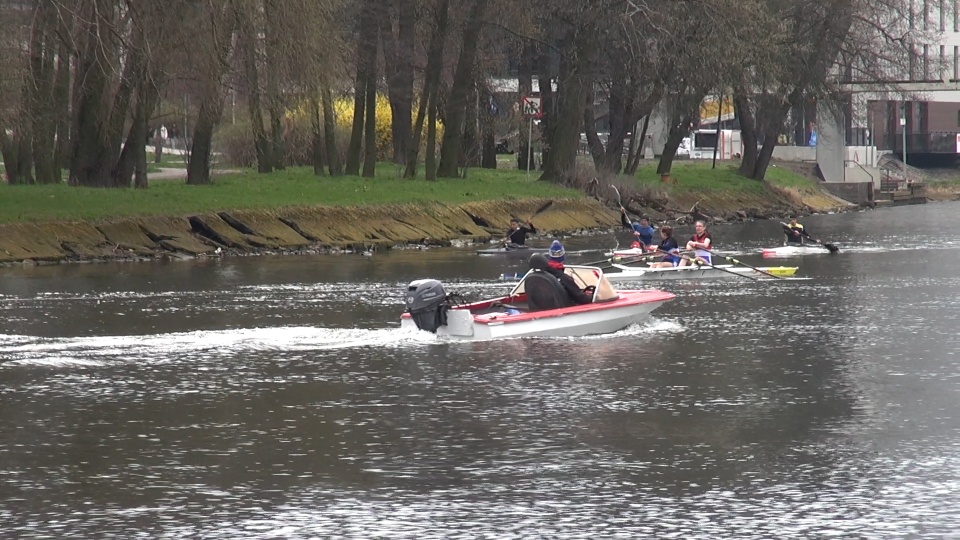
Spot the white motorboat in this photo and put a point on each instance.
(794, 251)
(638, 273)
(537, 306)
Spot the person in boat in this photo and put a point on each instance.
(641, 229)
(555, 258)
(517, 235)
(793, 232)
(669, 247)
(701, 244)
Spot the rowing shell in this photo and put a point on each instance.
(504, 250)
(633, 273)
(794, 251)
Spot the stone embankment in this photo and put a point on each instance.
(321, 229)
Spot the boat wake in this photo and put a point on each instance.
(28, 351)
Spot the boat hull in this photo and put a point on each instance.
(589, 319)
(794, 251)
(504, 250)
(632, 273)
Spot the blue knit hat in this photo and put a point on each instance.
(556, 251)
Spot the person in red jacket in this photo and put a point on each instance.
(701, 244)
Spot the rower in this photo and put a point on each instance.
(793, 232)
(701, 244)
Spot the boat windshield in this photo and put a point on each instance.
(585, 276)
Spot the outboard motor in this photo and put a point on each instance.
(426, 303)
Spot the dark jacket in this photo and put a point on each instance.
(794, 233)
(670, 245)
(519, 236)
(576, 295)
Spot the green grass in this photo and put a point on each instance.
(696, 176)
(248, 190)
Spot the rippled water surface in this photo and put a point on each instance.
(277, 398)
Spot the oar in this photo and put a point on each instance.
(624, 210)
(830, 247)
(754, 268)
(624, 260)
(539, 211)
(704, 263)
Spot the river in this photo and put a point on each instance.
(276, 397)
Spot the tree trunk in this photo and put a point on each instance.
(678, 130)
(40, 103)
(366, 70)
(316, 138)
(594, 144)
(621, 105)
(97, 118)
(489, 158)
(548, 106)
(430, 82)
(370, 128)
(451, 148)
(748, 132)
(470, 152)
(272, 28)
(634, 164)
(61, 102)
(198, 170)
(772, 125)
(430, 159)
(134, 149)
(17, 169)
(262, 146)
(525, 87)
(356, 131)
(330, 133)
(400, 77)
(559, 163)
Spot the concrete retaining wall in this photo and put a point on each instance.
(861, 193)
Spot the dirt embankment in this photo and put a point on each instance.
(322, 229)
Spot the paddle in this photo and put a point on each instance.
(754, 268)
(830, 247)
(539, 211)
(624, 211)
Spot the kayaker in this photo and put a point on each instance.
(555, 258)
(669, 246)
(517, 235)
(793, 232)
(641, 229)
(701, 244)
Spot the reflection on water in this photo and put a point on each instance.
(278, 398)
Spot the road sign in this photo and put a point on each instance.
(530, 106)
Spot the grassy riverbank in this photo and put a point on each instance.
(299, 187)
(249, 190)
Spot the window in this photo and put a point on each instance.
(958, 118)
(956, 15)
(926, 14)
(943, 62)
(956, 62)
(912, 64)
(943, 15)
(926, 63)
